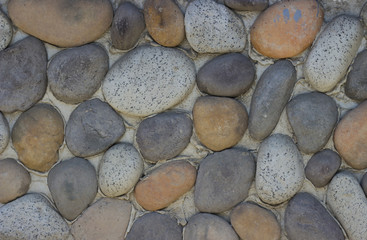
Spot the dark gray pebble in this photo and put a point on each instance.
(247, 5)
(356, 84)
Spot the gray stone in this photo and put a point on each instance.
(271, 95)
(164, 136)
(322, 167)
(228, 75)
(73, 186)
(6, 31)
(127, 26)
(22, 75)
(92, 128)
(223, 180)
(313, 117)
(247, 5)
(306, 218)
(364, 183)
(4, 133)
(75, 74)
(356, 84)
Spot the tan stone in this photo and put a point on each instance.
(165, 185)
(252, 222)
(219, 122)
(350, 137)
(287, 28)
(37, 135)
(164, 21)
(63, 23)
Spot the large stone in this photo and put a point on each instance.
(356, 84)
(228, 75)
(213, 28)
(6, 31)
(219, 122)
(271, 95)
(63, 23)
(37, 136)
(223, 180)
(75, 74)
(149, 80)
(247, 5)
(165, 185)
(92, 128)
(23, 77)
(333, 52)
(4, 133)
(73, 186)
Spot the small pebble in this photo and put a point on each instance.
(6, 31)
(364, 183)
(4, 133)
(356, 84)
(247, 5)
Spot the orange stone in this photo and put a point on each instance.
(287, 28)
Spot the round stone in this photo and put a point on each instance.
(164, 136)
(23, 77)
(228, 75)
(219, 122)
(37, 136)
(6, 31)
(364, 183)
(14, 180)
(63, 23)
(4, 133)
(119, 170)
(356, 84)
(92, 128)
(149, 80)
(247, 5)
(74, 75)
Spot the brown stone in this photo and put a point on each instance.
(165, 22)
(37, 135)
(63, 23)
(251, 221)
(350, 137)
(219, 122)
(287, 28)
(165, 185)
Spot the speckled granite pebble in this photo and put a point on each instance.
(6, 31)
(356, 84)
(247, 5)
(4, 133)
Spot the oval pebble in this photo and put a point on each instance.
(4, 133)
(247, 5)
(6, 31)
(356, 84)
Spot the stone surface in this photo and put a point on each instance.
(312, 117)
(279, 172)
(73, 186)
(119, 170)
(223, 180)
(228, 75)
(322, 167)
(306, 218)
(165, 185)
(219, 122)
(155, 226)
(92, 128)
(251, 221)
(247, 5)
(127, 26)
(270, 97)
(74, 75)
(364, 183)
(6, 31)
(22, 75)
(333, 52)
(204, 226)
(149, 80)
(4, 133)
(165, 22)
(14, 180)
(213, 28)
(286, 29)
(63, 23)
(32, 217)
(350, 137)
(107, 219)
(164, 136)
(37, 136)
(348, 203)
(356, 84)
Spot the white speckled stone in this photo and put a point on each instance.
(4, 133)
(279, 173)
(213, 28)
(346, 199)
(6, 31)
(120, 169)
(149, 80)
(333, 52)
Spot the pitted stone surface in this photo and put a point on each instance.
(6, 31)
(356, 85)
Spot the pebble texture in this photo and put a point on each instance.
(364, 183)
(223, 180)
(333, 52)
(271, 95)
(4, 133)
(213, 28)
(247, 5)
(356, 85)
(6, 31)
(120, 169)
(279, 172)
(149, 80)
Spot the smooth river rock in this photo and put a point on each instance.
(6, 31)
(364, 183)
(356, 84)
(247, 5)
(333, 52)
(279, 172)
(4, 133)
